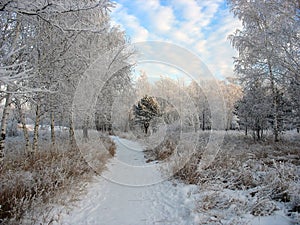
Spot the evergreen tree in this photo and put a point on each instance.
(145, 111)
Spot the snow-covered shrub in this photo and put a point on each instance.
(219, 205)
(264, 173)
(108, 144)
(263, 207)
(29, 183)
(165, 147)
(96, 149)
(189, 172)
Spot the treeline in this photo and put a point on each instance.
(191, 105)
(268, 65)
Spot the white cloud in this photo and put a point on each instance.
(218, 48)
(201, 47)
(199, 13)
(182, 37)
(163, 19)
(148, 5)
(191, 10)
(139, 32)
(200, 26)
(127, 21)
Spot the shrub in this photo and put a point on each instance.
(266, 172)
(165, 148)
(30, 182)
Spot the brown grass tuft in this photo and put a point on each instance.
(30, 182)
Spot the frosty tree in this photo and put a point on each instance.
(145, 111)
(45, 48)
(119, 84)
(143, 85)
(268, 48)
(14, 64)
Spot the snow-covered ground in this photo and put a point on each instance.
(132, 192)
(110, 201)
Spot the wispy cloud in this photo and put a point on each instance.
(200, 26)
(130, 23)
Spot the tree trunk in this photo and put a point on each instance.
(24, 128)
(7, 105)
(85, 129)
(258, 133)
(146, 126)
(246, 127)
(4, 126)
(203, 121)
(228, 122)
(127, 123)
(71, 131)
(275, 103)
(36, 128)
(276, 129)
(254, 134)
(52, 129)
(97, 122)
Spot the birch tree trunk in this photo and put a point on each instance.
(85, 129)
(36, 128)
(203, 120)
(24, 128)
(8, 99)
(127, 123)
(71, 131)
(246, 127)
(53, 142)
(275, 103)
(276, 129)
(4, 126)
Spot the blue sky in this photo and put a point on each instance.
(200, 26)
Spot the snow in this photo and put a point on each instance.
(133, 192)
(125, 194)
(30, 127)
(277, 219)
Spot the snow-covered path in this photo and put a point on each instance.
(115, 203)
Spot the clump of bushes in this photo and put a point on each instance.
(265, 172)
(110, 146)
(30, 182)
(165, 148)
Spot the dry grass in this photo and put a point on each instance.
(32, 182)
(164, 148)
(128, 135)
(112, 150)
(266, 172)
